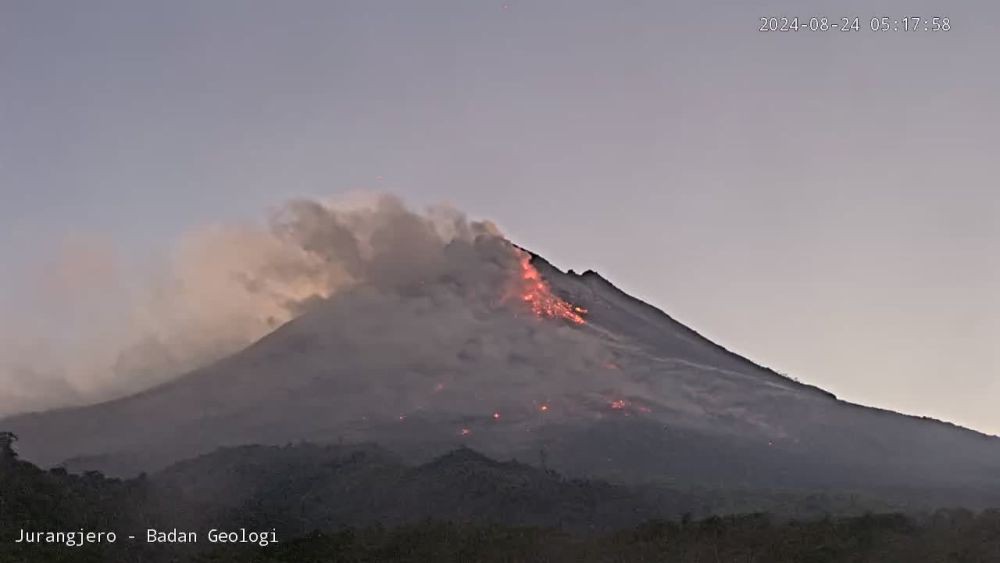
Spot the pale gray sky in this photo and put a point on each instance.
(824, 203)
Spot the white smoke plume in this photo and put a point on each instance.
(227, 286)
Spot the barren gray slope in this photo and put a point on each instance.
(632, 394)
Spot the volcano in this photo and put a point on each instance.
(497, 350)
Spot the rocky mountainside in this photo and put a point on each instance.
(560, 369)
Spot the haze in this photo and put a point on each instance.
(825, 204)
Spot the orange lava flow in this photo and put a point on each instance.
(538, 296)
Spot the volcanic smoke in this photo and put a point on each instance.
(226, 286)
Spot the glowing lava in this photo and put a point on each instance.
(538, 296)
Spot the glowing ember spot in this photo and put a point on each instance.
(465, 432)
(496, 416)
(543, 407)
(538, 296)
(619, 404)
(402, 418)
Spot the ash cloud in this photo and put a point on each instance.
(417, 292)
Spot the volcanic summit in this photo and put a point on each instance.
(436, 337)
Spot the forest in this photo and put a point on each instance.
(321, 502)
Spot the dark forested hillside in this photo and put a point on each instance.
(360, 503)
(300, 488)
(34, 499)
(946, 536)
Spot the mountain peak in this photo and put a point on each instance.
(468, 360)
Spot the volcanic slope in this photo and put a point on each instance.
(557, 369)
